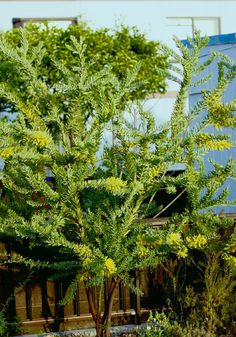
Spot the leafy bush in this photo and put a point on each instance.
(3, 326)
(159, 325)
(120, 49)
(206, 311)
(8, 329)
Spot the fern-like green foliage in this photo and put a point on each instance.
(82, 221)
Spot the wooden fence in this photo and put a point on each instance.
(34, 300)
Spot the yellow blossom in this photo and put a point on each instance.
(207, 142)
(155, 171)
(182, 253)
(84, 277)
(7, 152)
(80, 155)
(231, 247)
(87, 261)
(84, 251)
(174, 239)
(231, 260)
(143, 251)
(114, 184)
(196, 241)
(30, 114)
(218, 145)
(109, 266)
(40, 138)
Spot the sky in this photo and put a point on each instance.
(146, 14)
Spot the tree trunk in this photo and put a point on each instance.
(99, 327)
(95, 310)
(102, 322)
(99, 291)
(92, 308)
(108, 308)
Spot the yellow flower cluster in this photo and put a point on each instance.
(174, 239)
(155, 171)
(114, 184)
(203, 138)
(231, 247)
(215, 107)
(218, 145)
(80, 155)
(206, 141)
(182, 253)
(109, 266)
(87, 261)
(85, 250)
(30, 115)
(84, 277)
(231, 259)
(85, 253)
(143, 251)
(196, 241)
(40, 138)
(7, 152)
(144, 247)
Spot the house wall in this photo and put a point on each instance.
(227, 45)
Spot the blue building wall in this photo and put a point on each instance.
(226, 44)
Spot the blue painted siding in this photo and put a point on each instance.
(227, 45)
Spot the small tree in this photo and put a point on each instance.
(83, 220)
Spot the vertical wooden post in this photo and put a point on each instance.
(9, 287)
(46, 311)
(59, 309)
(28, 300)
(121, 297)
(76, 304)
(137, 299)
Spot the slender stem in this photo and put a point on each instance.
(108, 307)
(91, 303)
(99, 298)
(167, 206)
(99, 305)
(150, 201)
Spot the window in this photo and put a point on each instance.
(59, 22)
(185, 26)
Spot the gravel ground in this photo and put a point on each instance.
(115, 331)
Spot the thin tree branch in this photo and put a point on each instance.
(167, 206)
(91, 303)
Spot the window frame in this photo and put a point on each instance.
(20, 22)
(194, 18)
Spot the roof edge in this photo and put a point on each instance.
(216, 40)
